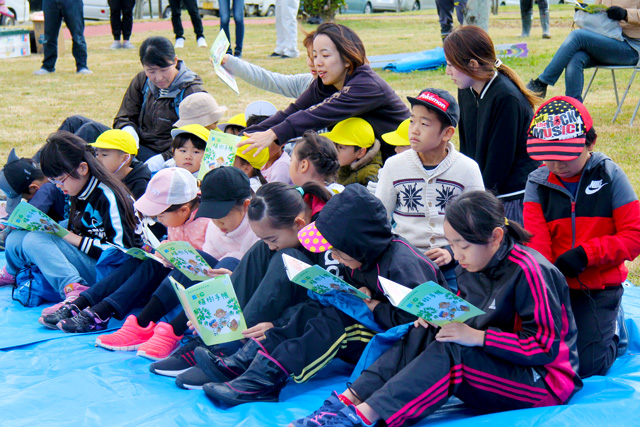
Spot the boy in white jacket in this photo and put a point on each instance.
(416, 185)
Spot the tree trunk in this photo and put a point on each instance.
(478, 13)
(138, 12)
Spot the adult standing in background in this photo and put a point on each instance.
(176, 21)
(71, 11)
(445, 9)
(121, 22)
(526, 12)
(286, 29)
(238, 18)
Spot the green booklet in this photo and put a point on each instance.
(220, 151)
(213, 309)
(185, 258)
(218, 50)
(430, 301)
(30, 218)
(135, 252)
(316, 278)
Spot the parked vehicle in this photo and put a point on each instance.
(370, 6)
(251, 7)
(99, 9)
(20, 10)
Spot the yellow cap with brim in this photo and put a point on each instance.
(354, 131)
(399, 136)
(257, 162)
(117, 139)
(196, 130)
(237, 120)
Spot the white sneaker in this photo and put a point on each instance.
(42, 72)
(115, 45)
(179, 43)
(202, 42)
(84, 70)
(127, 45)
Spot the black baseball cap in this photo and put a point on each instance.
(221, 189)
(15, 178)
(438, 100)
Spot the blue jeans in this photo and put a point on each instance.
(60, 262)
(55, 11)
(584, 49)
(238, 17)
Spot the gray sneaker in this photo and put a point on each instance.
(116, 45)
(84, 70)
(127, 45)
(42, 72)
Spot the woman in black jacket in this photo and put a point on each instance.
(346, 87)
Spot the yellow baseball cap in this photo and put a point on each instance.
(117, 139)
(257, 162)
(237, 120)
(196, 130)
(399, 136)
(354, 131)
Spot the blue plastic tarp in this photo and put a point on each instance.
(68, 381)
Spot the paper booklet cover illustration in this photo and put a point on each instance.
(316, 278)
(430, 301)
(135, 252)
(30, 218)
(213, 309)
(218, 50)
(186, 259)
(221, 151)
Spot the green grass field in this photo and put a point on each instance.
(32, 107)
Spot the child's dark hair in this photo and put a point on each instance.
(321, 153)
(192, 204)
(255, 119)
(474, 215)
(281, 203)
(157, 51)
(470, 42)
(348, 44)
(254, 172)
(590, 137)
(182, 138)
(64, 152)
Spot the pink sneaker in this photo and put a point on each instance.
(71, 292)
(162, 343)
(128, 338)
(5, 278)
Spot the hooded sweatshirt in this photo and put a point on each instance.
(355, 222)
(153, 123)
(137, 179)
(363, 170)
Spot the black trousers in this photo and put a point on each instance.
(121, 18)
(404, 387)
(314, 336)
(87, 129)
(176, 20)
(264, 290)
(595, 313)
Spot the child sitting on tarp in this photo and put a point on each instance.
(416, 186)
(116, 150)
(585, 218)
(23, 179)
(358, 151)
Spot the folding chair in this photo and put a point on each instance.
(619, 101)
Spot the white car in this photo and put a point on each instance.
(20, 10)
(251, 7)
(99, 9)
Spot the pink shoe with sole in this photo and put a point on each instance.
(163, 342)
(6, 279)
(128, 338)
(71, 292)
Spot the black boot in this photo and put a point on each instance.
(221, 369)
(262, 382)
(538, 87)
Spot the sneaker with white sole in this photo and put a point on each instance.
(85, 321)
(71, 292)
(128, 338)
(163, 342)
(179, 43)
(66, 311)
(180, 361)
(6, 279)
(42, 72)
(84, 70)
(116, 45)
(202, 42)
(127, 45)
(192, 379)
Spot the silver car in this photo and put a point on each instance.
(370, 6)
(99, 9)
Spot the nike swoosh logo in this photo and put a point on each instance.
(590, 190)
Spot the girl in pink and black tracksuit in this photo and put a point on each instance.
(520, 354)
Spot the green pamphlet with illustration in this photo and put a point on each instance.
(28, 217)
(185, 258)
(213, 309)
(218, 50)
(316, 278)
(430, 301)
(220, 151)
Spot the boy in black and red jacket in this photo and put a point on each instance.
(585, 218)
